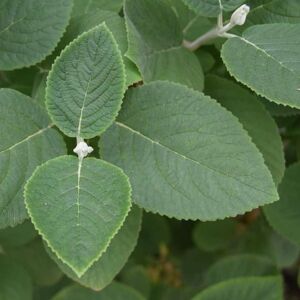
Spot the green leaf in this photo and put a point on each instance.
(30, 30)
(237, 266)
(211, 8)
(115, 291)
(266, 59)
(213, 236)
(188, 151)
(278, 110)
(78, 207)
(116, 24)
(27, 140)
(248, 288)
(156, 49)
(284, 216)
(86, 84)
(103, 271)
(38, 264)
(276, 11)
(15, 283)
(255, 119)
(85, 7)
(17, 236)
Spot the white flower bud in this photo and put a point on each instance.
(239, 15)
(82, 150)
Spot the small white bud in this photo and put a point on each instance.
(239, 15)
(82, 150)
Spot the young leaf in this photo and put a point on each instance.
(267, 61)
(30, 30)
(284, 216)
(156, 49)
(247, 288)
(255, 119)
(78, 207)
(27, 140)
(115, 291)
(188, 151)
(15, 283)
(103, 271)
(86, 84)
(211, 8)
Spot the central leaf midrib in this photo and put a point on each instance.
(188, 158)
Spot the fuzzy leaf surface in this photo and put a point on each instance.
(78, 207)
(86, 84)
(30, 30)
(186, 156)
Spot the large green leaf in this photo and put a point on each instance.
(154, 44)
(276, 11)
(115, 291)
(186, 156)
(15, 283)
(27, 140)
(266, 59)
(116, 24)
(284, 216)
(211, 8)
(87, 6)
(248, 288)
(86, 84)
(237, 266)
(78, 206)
(103, 271)
(30, 30)
(255, 119)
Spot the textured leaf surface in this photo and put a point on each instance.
(248, 288)
(86, 84)
(87, 6)
(103, 271)
(211, 8)
(15, 283)
(154, 44)
(237, 266)
(272, 53)
(30, 30)
(188, 151)
(116, 25)
(115, 291)
(255, 119)
(284, 216)
(27, 140)
(78, 207)
(276, 11)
